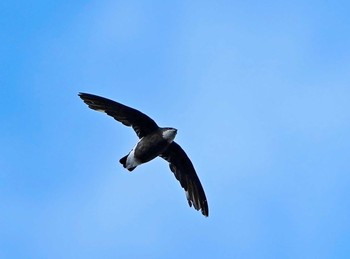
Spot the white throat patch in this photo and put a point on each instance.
(169, 134)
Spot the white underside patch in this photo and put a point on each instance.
(131, 161)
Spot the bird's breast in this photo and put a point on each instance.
(149, 147)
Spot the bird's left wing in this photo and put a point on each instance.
(185, 173)
(140, 122)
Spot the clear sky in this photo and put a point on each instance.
(258, 90)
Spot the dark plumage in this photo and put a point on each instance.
(154, 141)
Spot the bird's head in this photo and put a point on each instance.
(169, 134)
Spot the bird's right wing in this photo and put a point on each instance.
(140, 122)
(185, 173)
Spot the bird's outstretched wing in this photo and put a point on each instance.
(185, 173)
(141, 123)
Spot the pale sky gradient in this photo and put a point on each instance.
(259, 93)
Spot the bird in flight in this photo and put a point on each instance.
(153, 141)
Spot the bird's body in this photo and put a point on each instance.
(153, 141)
(148, 148)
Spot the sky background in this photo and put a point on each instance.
(259, 93)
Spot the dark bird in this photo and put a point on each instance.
(154, 141)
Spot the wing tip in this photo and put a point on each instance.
(85, 95)
(205, 212)
(201, 206)
(204, 209)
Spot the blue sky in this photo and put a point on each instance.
(259, 92)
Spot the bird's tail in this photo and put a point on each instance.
(123, 162)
